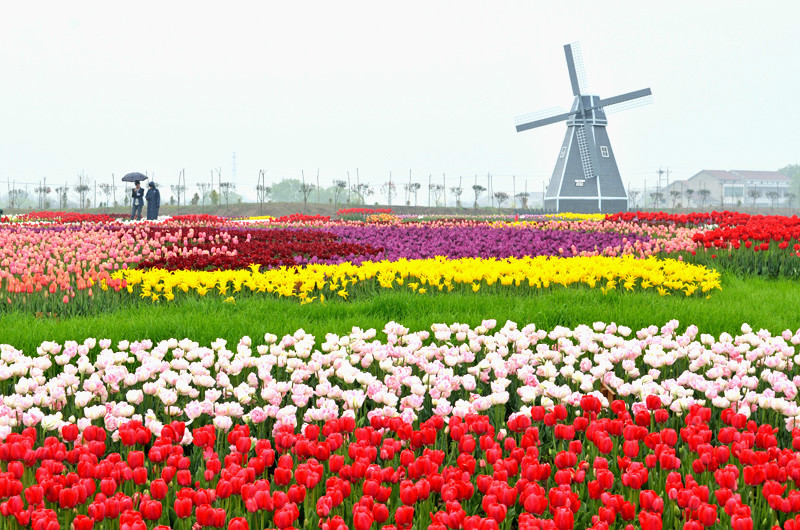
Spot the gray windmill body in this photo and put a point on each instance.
(586, 178)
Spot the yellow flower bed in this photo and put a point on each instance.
(577, 216)
(260, 218)
(667, 276)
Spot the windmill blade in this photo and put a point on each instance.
(627, 101)
(540, 118)
(585, 152)
(577, 74)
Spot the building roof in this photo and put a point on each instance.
(774, 176)
(720, 174)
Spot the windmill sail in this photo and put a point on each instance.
(583, 149)
(586, 178)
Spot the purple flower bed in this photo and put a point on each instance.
(469, 242)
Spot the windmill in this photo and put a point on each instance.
(586, 178)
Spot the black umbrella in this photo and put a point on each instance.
(133, 177)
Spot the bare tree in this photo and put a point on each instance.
(633, 196)
(754, 194)
(362, 191)
(204, 188)
(478, 189)
(436, 192)
(704, 194)
(41, 193)
(226, 188)
(657, 197)
(389, 190)
(339, 187)
(523, 198)
(263, 191)
(62, 196)
(675, 195)
(456, 192)
(688, 192)
(501, 197)
(306, 189)
(412, 187)
(16, 197)
(773, 196)
(82, 189)
(790, 197)
(107, 189)
(180, 191)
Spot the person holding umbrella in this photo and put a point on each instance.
(138, 201)
(137, 194)
(153, 198)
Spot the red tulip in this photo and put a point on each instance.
(82, 522)
(183, 507)
(70, 432)
(151, 509)
(564, 519)
(362, 518)
(380, 513)
(139, 475)
(238, 523)
(650, 521)
(404, 515)
(158, 489)
(135, 459)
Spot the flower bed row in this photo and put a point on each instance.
(319, 281)
(582, 467)
(223, 249)
(453, 371)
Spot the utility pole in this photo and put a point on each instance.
(429, 190)
(408, 192)
(303, 189)
(629, 194)
(644, 206)
(514, 191)
(317, 185)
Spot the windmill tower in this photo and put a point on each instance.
(586, 178)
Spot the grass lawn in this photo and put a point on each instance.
(770, 304)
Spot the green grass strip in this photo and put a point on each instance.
(762, 303)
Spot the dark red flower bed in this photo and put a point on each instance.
(553, 470)
(212, 248)
(196, 219)
(301, 218)
(362, 211)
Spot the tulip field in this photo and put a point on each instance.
(379, 372)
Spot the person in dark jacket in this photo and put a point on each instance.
(153, 202)
(138, 202)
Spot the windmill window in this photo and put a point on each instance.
(604, 151)
(563, 151)
(579, 183)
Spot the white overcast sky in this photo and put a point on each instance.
(431, 87)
